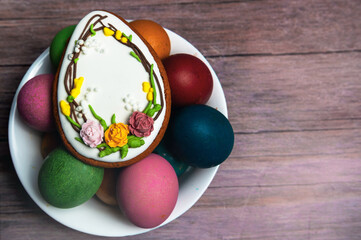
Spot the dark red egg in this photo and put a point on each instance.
(189, 78)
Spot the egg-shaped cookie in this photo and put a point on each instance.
(111, 96)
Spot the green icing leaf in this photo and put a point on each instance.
(147, 107)
(70, 98)
(101, 120)
(155, 109)
(108, 150)
(113, 119)
(102, 145)
(124, 151)
(79, 140)
(92, 30)
(133, 54)
(73, 122)
(135, 142)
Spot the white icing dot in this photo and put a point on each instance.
(70, 56)
(125, 100)
(95, 89)
(102, 50)
(78, 108)
(81, 42)
(84, 103)
(80, 115)
(137, 107)
(76, 50)
(128, 107)
(84, 50)
(87, 96)
(87, 43)
(89, 89)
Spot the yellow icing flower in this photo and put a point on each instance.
(146, 86)
(118, 35)
(149, 90)
(108, 32)
(78, 82)
(124, 40)
(65, 108)
(116, 135)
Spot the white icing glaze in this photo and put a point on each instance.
(112, 81)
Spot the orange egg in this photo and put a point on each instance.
(155, 35)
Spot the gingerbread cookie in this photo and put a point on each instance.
(111, 95)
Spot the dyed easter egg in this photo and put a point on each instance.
(147, 191)
(49, 141)
(201, 136)
(106, 191)
(189, 78)
(154, 34)
(59, 43)
(178, 166)
(34, 103)
(66, 182)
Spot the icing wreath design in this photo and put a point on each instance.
(97, 134)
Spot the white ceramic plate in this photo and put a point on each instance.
(94, 217)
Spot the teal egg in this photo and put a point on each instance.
(179, 166)
(59, 43)
(200, 136)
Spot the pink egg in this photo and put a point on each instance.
(34, 103)
(147, 191)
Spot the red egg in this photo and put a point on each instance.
(147, 191)
(189, 78)
(34, 103)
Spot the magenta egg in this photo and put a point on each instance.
(147, 191)
(34, 103)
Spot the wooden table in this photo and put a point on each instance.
(291, 73)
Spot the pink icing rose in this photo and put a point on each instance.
(92, 133)
(140, 124)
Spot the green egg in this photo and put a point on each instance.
(66, 182)
(58, 44)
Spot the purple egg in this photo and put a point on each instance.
(34, 103)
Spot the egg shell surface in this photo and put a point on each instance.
(66, 182)
(201, 136)
(49, 141)
(162, 149)
(189, 78)
(147, 191)
(34, 103)
(59, 43)
(106, 191)
(155, 35)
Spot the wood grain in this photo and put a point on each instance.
(290, 71)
